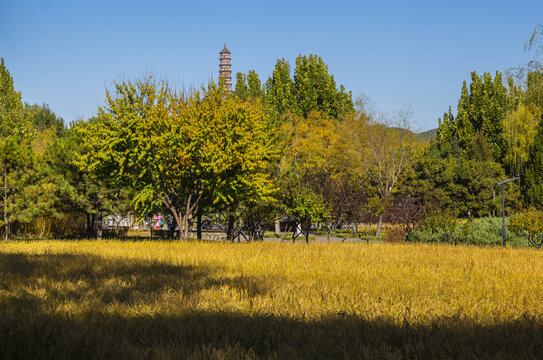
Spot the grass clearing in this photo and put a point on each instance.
(157, 299)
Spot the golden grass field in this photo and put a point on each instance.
(127, 300)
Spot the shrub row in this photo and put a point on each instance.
(484, 232)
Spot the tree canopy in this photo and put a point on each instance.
(174, 149)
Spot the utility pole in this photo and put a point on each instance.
(502, 183)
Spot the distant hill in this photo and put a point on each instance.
(427, 135)
(423, 136)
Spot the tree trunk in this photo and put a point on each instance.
(171, 228)
(493, 198)
(179, 220)
(186, 230)
(89, 224)
(277, 227)
(6, 221)
(230, 229)
(199, 225)
(98, 224)
(297, 231)
(7, 226)
(379, 226)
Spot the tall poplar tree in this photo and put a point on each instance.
(481, 108)
(311, 89)
(279, 89)
(315, 89)
(254, 84)
(241, 86)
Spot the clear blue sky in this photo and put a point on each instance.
(398, 53)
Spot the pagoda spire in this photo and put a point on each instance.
(225, 71)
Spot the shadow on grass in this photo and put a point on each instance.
(31, 327)
(93, 276)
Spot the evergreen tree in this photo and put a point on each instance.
(462, 186)
(63, 188)
(532, 177)
(16, 158)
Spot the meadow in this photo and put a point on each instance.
(205, 300)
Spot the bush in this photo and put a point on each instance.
(395, 235)
(529, 222)
(70, 224)
(484, 232)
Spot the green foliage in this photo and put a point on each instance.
(279, 89)
(305, 206)
(446, 135)
(440, 221)
(254, 85)
(529, 222)
(248, 85)
(520, 128)
(532, 176)
(376, 155)
(256, 214)
(16, 157)
(241, 86)
(41, 184)
(479, 149)
(175, 150)
(534, 87)
(483, 109)
(312, 89)
(485, 231)
(42, 118)
(315, 89)
(466, 187)
(67, 189)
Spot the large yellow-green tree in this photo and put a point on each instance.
(174, 149)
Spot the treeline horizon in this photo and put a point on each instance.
(295, 146)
